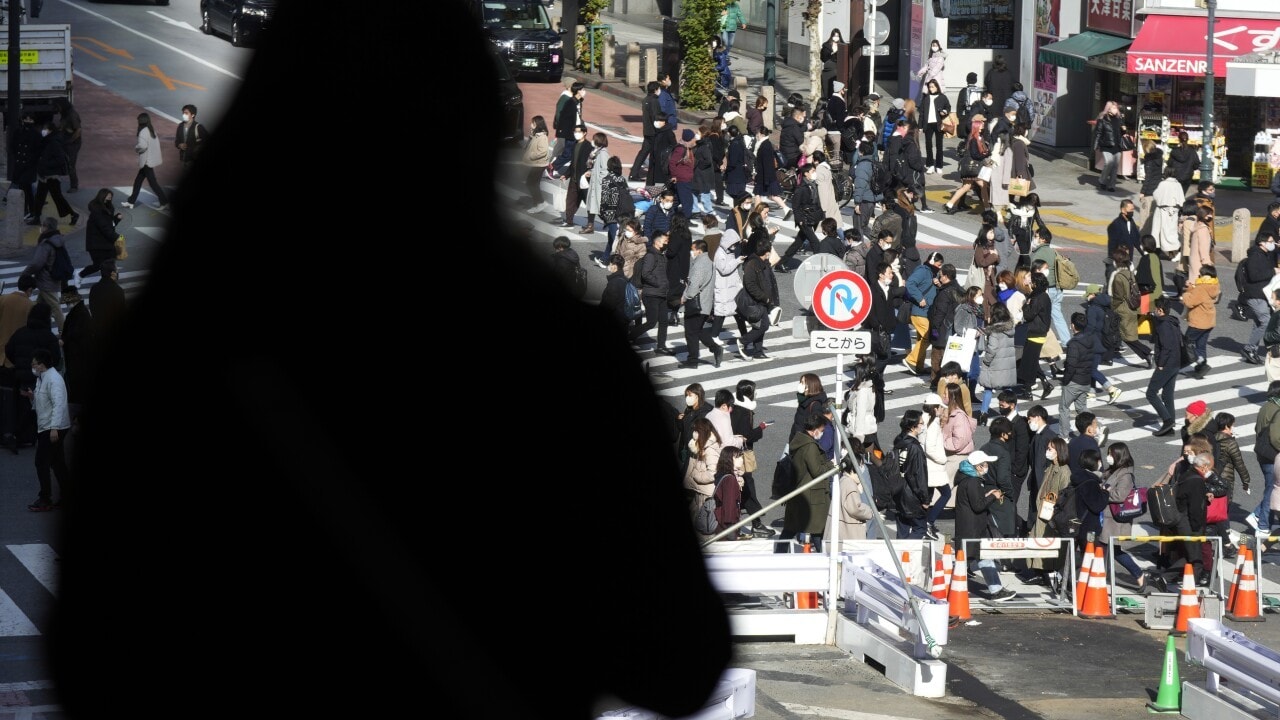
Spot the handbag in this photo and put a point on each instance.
(949, 124)
(1047, 505)
(1217, 510)
(1163, 504)
(1134, 505)
(584, 182)
(747, 307)
(693, 306)
(122, 252)
(1019, 186)
(985, 173)
(749, 463)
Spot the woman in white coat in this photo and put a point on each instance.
(935, 460)
(149, 158)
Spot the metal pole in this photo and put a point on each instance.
(1206, 145)
(14, 106)
(871, 36)
(770, 41)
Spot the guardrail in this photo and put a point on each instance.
(1217, 558)
(1250, 672)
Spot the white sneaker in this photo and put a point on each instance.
(76, 279)
(1113, 394)
(1251, 520)
(536, 209)
(163, 207)
(126, 204)
(929, 170)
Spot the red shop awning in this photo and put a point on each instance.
(1176, 44)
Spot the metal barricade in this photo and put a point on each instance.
(1249, 671)
(1027, 548)
(1111, 561)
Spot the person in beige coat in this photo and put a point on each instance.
(1201, 250)
(537, 153)
(704, 456)
(1057, 476)
(149, 158)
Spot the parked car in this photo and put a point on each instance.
(243, 21)
(512, 98)
(522, 32)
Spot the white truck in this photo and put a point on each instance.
(45, 59)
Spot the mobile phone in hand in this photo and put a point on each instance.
(768, 422)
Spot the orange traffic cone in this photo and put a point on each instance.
(1082, 580)
(939, 580)
(906, 567)
(1097, 601)
(1245, 608)
(948, 561)
(1188, 602)
(807, 600)
(1242, 557)
(958, 598)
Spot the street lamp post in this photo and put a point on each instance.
(1206, 146)
(770, 41)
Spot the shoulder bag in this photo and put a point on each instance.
(1134, 505)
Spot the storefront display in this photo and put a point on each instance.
(1176, 104)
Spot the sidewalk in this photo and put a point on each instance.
(1071, 203)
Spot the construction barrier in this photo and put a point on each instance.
(1269, 600)
(1242, 678)
(733, 697)
(1039, 598)
(879, 623)
(1133, 600)
(750, 567)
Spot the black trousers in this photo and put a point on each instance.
(804, 233)
(533, 183)
(755, 335)
(655, 315)
(646, 153)
(49, 455)
(148, 173)
(932, 139)
(697, 329)
(51, 186)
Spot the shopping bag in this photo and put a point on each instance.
(949, 124)
(1019, 186)
(1217, 510)
(985, 173)
(960, 349)
(1144, 320)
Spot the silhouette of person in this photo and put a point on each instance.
(242, 523)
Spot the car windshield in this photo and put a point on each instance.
(516, 14)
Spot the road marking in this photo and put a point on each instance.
(14, 622)
(145, 36)
(39, 560)
(837, 714)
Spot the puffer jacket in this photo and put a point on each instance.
(1200, 300)
(728, 281)
(999, 360)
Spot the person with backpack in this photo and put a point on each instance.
(1097, 304)
(868, 188)
(807, 512)
(51, 267)
(1125, 302)
(891, 118)
(566, 266)
(975, 496)
(1061, 274)
(967, 99)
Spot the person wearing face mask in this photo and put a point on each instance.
(759, 282)
(730, 483)
(807, 512)
(703, 450)
(650, 111)
(737, 166)
(574, 172)
(664, 143)
(695, 407)
(912, 499)
(1122, 232)
(1118, 480)
(976, 496)
(1259, 271)
(1271, 339)
(1054, 478)
(658, 217)
(742, 420)
(536, 155)
(655, 287)
(1039, 433)
(618, 210)
(53, 420)
(829, 54)
(191, 136)
(568, 120)
(697, 319)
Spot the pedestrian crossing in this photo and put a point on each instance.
(41, 566)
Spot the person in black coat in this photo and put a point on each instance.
(1184, 160)
(649, 113)
(52, 162)
(614, 295)
(942, 315)
(36, 334)
(1168, 361)
(1122, 232)
(1091, 498)
(791, 137)
(27, 144)
(742, 418)
(999, 82)
(762, 286)
(1040, 434)
(664, 141)
(932, 97)
(912, 500)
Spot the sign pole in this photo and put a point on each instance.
(871, 64)
(1206, 145)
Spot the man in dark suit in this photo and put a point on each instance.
(1123, 232)
(649, 112)
(277, 529)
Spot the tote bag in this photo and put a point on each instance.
(960, 349)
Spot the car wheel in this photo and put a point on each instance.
(236, 39)
(206, 26)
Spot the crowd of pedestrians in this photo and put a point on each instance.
(984, 329)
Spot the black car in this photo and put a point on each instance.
(243, 21)
(512, 99)
(521, 31)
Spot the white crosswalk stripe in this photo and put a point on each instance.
(39, 561)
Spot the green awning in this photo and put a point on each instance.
(1076, 50)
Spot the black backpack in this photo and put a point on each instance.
(881, 177)
(1024, 114)
(886, 478)
(1066, 518)
(61, 268)
(1241, 277)
(1111, 336)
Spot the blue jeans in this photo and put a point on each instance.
(1200, 340)
(684, 194)
(702, 203)
(991, 575)
(1263, 511)
(561, 164)
(726, 37)
(935, 510)
(1055, 314)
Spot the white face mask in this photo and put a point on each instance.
(659, 125)
(1107, 461)
(1269, 247)
(693, 444)
(186, 117)
(1004, 286)
(1050, 455)
(629, 233)
(748, 403)
(1033, 426)
(690, 400)
(666, 206)
(578, 136)
(44, 133)
(802, 389)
